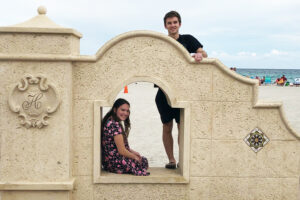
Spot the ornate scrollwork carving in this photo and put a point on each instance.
(33, 99)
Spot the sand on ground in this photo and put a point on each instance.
(290, 97)
(146, 133)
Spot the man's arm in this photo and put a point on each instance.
(204, 54)
(199, 55)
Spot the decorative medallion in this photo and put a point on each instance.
(33, 99)
(256, 140)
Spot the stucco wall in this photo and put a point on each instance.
(222, 108)
(32, 154)
(223, 111)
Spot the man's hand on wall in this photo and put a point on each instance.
(198, 57)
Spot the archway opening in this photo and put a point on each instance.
(146, 127)
(146, 134)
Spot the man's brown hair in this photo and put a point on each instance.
(172, 14)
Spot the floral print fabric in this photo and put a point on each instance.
(114, 162)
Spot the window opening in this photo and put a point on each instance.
(145, 137)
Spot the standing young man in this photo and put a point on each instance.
(172, 22)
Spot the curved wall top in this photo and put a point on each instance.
(172, 42)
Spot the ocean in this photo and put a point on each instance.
(290, 74)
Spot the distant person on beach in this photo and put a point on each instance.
(262, 81)
(281, 81)
(283, 78)
(258, 80)
(172, 22)
(117, 156)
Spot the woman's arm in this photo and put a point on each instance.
(119, 140)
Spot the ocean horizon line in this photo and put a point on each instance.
(268, 68)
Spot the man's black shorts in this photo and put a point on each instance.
(167, 113)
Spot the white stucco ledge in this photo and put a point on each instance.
(268, 104)
(158, 175)
(278, 105)
(39, 30)
(46, 57)
(62, 186)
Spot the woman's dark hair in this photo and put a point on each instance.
(112, 114)
(172, 14)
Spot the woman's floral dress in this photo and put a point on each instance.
(114, 162)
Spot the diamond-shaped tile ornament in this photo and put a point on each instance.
(256, 140)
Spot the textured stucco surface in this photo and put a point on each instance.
(243, 188)
(222, 114)
(150, 57)
(24, 43)
(222, 111)
(85, 189)
(34, 154)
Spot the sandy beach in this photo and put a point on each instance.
(146, 133)
(290, 97)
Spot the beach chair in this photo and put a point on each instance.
(297, 82)
(268, 80)
(281, 82)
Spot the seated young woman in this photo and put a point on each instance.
(117, 156)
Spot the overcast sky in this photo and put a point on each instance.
(240, 33)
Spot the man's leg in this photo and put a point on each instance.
(178, 127)
(168, 140)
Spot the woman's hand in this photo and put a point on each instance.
(135, 153)
(138, 158)
(119, 140)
